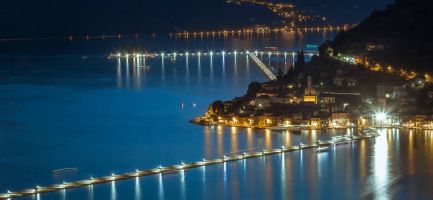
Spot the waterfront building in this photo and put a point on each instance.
(310, 94)
(339, 120)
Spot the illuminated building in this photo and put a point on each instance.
(310, 95)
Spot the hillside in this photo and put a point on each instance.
(81, 17)
(401, 36)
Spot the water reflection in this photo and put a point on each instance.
(127, 72)
(137, 188)
(199, 68)
(247, 66)
(63, 194)
(367, 169)
(283, 176)
(220, 141)
(211, 67)
(224, 65)
(234, 140)
(380, 166)
(268, 139)
(113, 190)
(162, 70)
(187, 67)
(119, 73)
(90, 192)
(160, 187)
(235, 67)
(182, 184)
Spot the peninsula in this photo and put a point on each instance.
(364, 78)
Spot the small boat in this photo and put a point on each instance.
(321, 149)
(65, 170)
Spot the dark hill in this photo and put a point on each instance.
(402, 36)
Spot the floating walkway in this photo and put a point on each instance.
(268, 72)
(174, 55)
(181, 166)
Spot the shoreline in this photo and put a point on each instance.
(303, 128)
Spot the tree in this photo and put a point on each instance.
(253, 88)
(280, 74)
(218, 107)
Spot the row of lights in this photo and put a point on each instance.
(113, 176)
(270, 53)
(227, 32)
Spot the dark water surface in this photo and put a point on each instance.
(59, 109)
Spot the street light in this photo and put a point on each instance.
(381, 116)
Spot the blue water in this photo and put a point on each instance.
(102, 116)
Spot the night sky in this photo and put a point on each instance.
(23, 18)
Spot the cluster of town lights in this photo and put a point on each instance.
(227, 32)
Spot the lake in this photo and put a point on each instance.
(63, 104)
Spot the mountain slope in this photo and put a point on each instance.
(401, 35)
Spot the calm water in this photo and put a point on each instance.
(100, 116)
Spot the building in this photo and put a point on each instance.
(339, 120)
(310, 94)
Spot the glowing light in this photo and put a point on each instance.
(381, 116)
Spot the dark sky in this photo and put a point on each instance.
(22, 18)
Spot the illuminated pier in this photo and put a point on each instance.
(268, 72)
(174, 55)
(182, 166)
(247, 53)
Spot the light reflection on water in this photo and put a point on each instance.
(368, 169)
(99, 115)
(139, 69)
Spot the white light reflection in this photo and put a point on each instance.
(224, 65)
(199, 67)
(137, 188)
(182, 184)
(236, 66)
(203, 170)
(225, 178)
(90, 190)
(160, 187)
(380, 166)
(248, 66)
(293, 59)
(113, 190)
(162, 69)
(225, 172)
(127, 72)
(283, 176)
(211, 67)
(63, 193)
(119, 73)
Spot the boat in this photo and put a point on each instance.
(271, 48)
(65, 170)
(321, 149)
